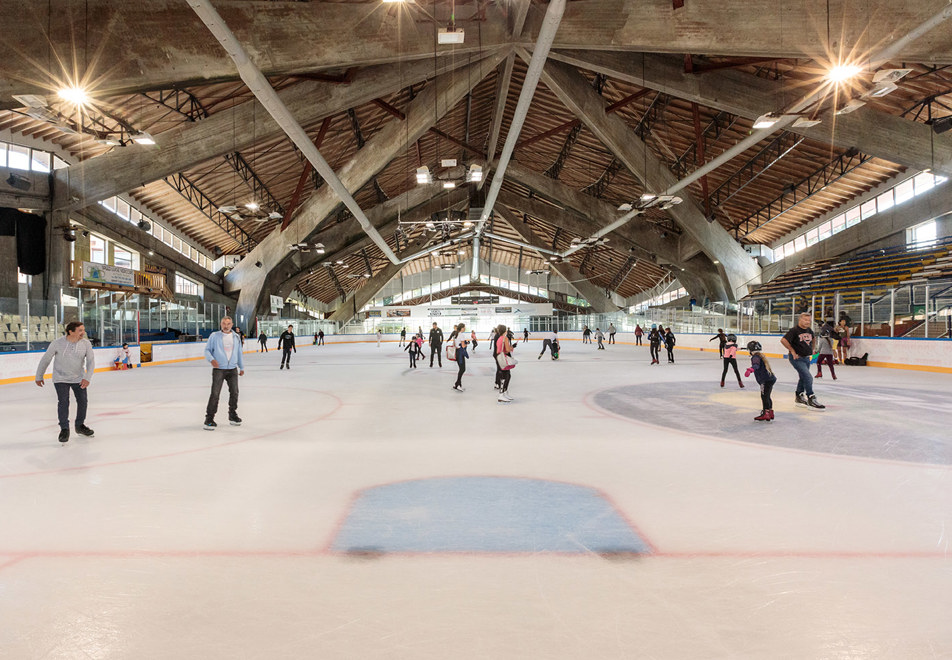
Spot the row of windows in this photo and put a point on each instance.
(36, 160)
(663, 299)
(892, 197)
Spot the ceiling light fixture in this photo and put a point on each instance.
(448, 162)
(767, 120)
(475, 173)
(851, 106)
(843, 72)
(252, 206)
(143, 138)
(74, 95)
(450, 35)
(448, 185)
(423, 175)
(805, 122)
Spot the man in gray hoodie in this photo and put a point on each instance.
(73, 366)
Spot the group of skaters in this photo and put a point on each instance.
(74, 363)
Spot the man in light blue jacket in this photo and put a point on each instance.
(223, 350)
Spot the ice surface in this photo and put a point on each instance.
(822, 534)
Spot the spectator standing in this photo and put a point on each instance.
(760, 367)
(263, 341)
(73, 367)
(286, 344)
(223, 350)
(721, 342)
(436, 345)
(799, 342)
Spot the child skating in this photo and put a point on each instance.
(730, 358)
(760, 367)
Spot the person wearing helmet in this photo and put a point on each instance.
(764, 375)
(730, 358)
(825, 352)
(654, 343)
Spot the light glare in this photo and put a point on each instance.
(74, 95)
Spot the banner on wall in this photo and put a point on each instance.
(503, 310)
(373, 314)
(103, 274)
(395, 313)
(277, 304)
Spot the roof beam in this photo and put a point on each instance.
(573, 90)
(601, 303)
(879, 134)
(193, 143)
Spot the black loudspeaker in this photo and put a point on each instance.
(31, 239)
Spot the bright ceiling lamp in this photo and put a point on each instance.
(423, 175)
(389, 1)
(449, 35)
(843, 72)
(767, 120)
(252, 206)
(475, 173)
(74, 95)
(805, 122)
(648, 197)
(143, 138)
(448, 185)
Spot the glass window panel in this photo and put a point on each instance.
(885, 201)
(868, 209)
(41, 161)
(122, 258)
(3, 154)
(799, 243)
(852, 216)
(122, 208)
(59, 163)
(904, 191)
(18, 158)
(97, 249)
(176, 243)
(924, 182)
(813, 236)
(839, 223)
(826, 229)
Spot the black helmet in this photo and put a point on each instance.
(754, 346)
(732, 337)
(825, 331)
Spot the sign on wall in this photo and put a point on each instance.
(398, 312)
(103, 274)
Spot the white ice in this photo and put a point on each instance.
(158, 539)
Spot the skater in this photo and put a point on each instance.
(600, 337)
(413, 349)
(286, 341)
(403, 336)
(525, 334)
(436, 345)
(223, 350)
(654, 343)
(73, 367)
(314, 343)
(379, 337)
(638, 333)
(472, 336)
(669, 342)
(825, 352)
(730, 358)
(721, 341)
(459, 345)
(611, 333)
(552, 343)
(586, 335)
(503, 347)
(263, 341)
(123, 358)
(799, 342)
(320, 337)
(764, 375)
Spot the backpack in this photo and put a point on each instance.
(856, 361)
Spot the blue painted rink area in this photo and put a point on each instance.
(614, 509)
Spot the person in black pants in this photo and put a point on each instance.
(611, 333)
(286, 342)
(654, 344)
(459, 344)
(760, 367)
(722, 341)
(436, 345)
(320, 337)
(669, 342)
(263, 340)
(414, 350)
(730, 358)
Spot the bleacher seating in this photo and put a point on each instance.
(867, 270)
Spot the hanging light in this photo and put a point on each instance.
(423, 175)
(73, 94)
(843, 72)
(475, 173)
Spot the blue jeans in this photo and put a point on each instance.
(62, 403)
(802, 365)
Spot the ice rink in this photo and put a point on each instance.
(365, 510)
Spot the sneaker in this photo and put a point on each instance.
(82, 429)
(64, 435)
(210, 425)
(813, 403)
(801, 399)
(234, 420)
